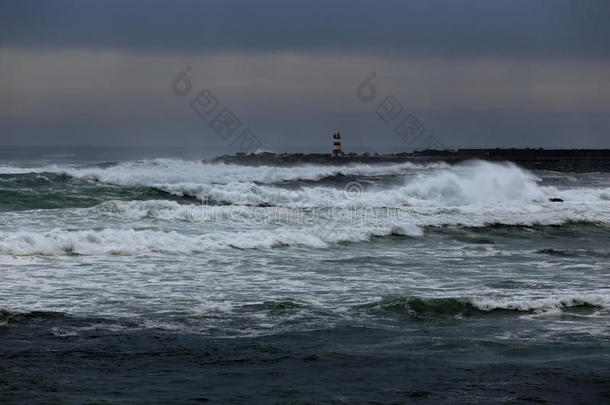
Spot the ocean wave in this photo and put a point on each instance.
(282, 314)
(475, 193)
(45, 190)
(243, 227)
(419, 307)
(160, 209)
(574, 252)
(475, 184)
(542, 304)
(345, 217)
(37, 179)
(10, 317)
(171, 171)
(4, 170)
(135, 242)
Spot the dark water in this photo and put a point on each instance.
(426, 362)
(139, 280)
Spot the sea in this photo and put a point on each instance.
(149, 276)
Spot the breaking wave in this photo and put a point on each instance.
(349, 216)
(418, 197)
(473, 184)
(45, 190)
(135, 242)
(170, 171)
(418, 307)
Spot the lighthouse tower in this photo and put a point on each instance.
(337, 145)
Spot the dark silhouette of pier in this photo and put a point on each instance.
(563, 160)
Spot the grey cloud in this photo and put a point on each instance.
(477, 73)
(517, 28)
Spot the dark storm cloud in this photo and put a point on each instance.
(477, 73)
(517, 28)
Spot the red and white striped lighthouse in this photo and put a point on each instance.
(337, 145)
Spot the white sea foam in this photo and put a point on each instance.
(341, 219)
(154, 209)
(170, 171)
(187, 263)
(25, 170)
(472, 184)
(542, 304)
(135, 242)
(474, 194)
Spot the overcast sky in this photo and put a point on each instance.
(473, 73)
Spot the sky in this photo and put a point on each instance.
(288, 74)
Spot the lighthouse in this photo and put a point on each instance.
(337, 145)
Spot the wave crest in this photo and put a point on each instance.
(134, 242)
(418, 307)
